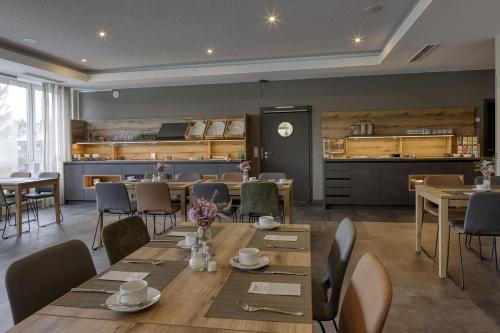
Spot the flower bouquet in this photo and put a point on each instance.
(487, 168)
(245, 167)
(203, 212)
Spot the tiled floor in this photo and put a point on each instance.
(421, 303)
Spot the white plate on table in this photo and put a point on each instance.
(182, 244)
(113, 304)
(271, 227)
(263, 261)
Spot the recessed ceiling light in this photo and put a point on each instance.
(210, 51)
(357, 40)
(272, 19)
(102, 34)
(84, 60)
(31, 40)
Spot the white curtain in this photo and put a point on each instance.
(58, 110)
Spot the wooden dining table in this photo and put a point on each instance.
(285, 191)
(444, 198)
(185, 300)
(24, 184)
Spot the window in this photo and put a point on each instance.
(21, 135)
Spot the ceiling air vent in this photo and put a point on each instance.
(424, 52)
(43, 78)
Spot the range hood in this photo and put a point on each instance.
(172, 131)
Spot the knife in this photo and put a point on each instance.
(90, 290)
(278, 272)
(164, 240)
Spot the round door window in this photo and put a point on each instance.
(285, 129)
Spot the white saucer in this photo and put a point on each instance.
(263, 261)
(153, 297)
(271, 227)
(182, 244)
(478, 189)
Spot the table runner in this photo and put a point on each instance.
(215, 230)
(160, 276)
(303, 240)
(236, 289)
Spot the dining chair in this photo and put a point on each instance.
(433, 209)
(42, 192)
(367, 299)
(123, 237)
(7, 203)
(188, 176)
(154, 199)
(259, 199)
(222, 199)
(326, 308)
(275, 176)
(232, 177)
(16, 174)
(40, 278)
(481, 219)
(113, 199)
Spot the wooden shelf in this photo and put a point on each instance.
(110, 143)
(395, 137)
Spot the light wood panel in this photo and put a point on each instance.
(371, 147)
(427, 147)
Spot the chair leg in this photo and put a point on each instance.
(335, 325)
(98, 227)
(461, 285)
(433, 257)
(322, 327)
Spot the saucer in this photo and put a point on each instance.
(271, 227)
(153, 297)
(480, 189)
(182, 244)
(263, 261)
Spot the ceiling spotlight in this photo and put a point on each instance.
(357, 40)
(210, 51)
(102, 34)
(272, 19)
(31, 40)
(84, 60)
(115, 93)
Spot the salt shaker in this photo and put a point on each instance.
(211, 262)
(197, 261)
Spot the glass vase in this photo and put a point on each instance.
(245, 176)
(487, 181)
(205, 235)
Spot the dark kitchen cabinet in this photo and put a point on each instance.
(365, 179)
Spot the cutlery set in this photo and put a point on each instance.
(250, 308)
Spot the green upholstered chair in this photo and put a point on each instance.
(259, 199)
(123, 237)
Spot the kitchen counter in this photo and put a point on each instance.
(403, 159)
(151, 161)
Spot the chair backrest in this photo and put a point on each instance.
(232, 176)
(40, 278)
(20, 174)
(153, 197)
(112, 198)
(368, 298)
(188, 176)
(441, 180)
(206, 191)
(272, 175)
(259, 199)
(338, 259)
(482, 214)
(124, 237)
(494, 180)
(48, 188)
(3, 199)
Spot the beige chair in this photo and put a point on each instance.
(232, 176)
(40, 278)
(368, 298)
(433, 209)
(154, 199)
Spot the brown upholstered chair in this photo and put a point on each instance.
(154, 199)
(124, 237)
(40, 278)
(432, 209)
(232, 176)
(368, 298)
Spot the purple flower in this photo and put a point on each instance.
(245, 166)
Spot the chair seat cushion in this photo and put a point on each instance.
(35, 195)
(453, 213)
(322, 311)
(457, 224)
(133, 208)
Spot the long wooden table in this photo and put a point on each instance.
(20, 184)
(284, 190)
(184, 301)
(443, 197)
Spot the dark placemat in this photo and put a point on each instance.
(303, 240)
(159, 277)
(215, 230)
(236, 289)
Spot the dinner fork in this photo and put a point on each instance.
(135, 261)
(251, 308)
(284, 246)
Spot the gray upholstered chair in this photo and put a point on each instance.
(481, 219)
(40, 278)
(154, 199)
(17, 174)
(494, 180)
(275, 176)
(112, 198)
(222, 199)
(232, 177)
(368, 298)
(188, 176)
(258, 199)
(42, 192)
(123, 237)
(6, 203)
(325, 308)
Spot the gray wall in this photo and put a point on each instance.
(447, 89)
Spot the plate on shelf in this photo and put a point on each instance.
(263, 261)
(113, 304)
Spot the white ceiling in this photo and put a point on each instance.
(154, 43)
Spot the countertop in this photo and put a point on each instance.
(150, 161)
(403, 159)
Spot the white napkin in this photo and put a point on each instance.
(178, 233)
(123, 276)
(270, 288)
(281, 238)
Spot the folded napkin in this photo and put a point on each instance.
(179, 233)
(281, 238)
(123, 276)
(271, 288)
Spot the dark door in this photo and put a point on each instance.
(285, 134)
(489, 127)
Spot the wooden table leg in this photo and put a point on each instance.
(419, 202)
(57, 202)
(443, 237)
(19, 210)
(182, 196)
(287, 206)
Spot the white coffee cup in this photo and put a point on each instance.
(249, 256)
(266, 221)
(252, 179)
(482, 186)
(133, 292)
(283, 180)
(130, 178)
(145, 180)
(190, 238)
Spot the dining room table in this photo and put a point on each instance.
(285, 191)
(444, 197)
(194, 301)
(20, 185)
